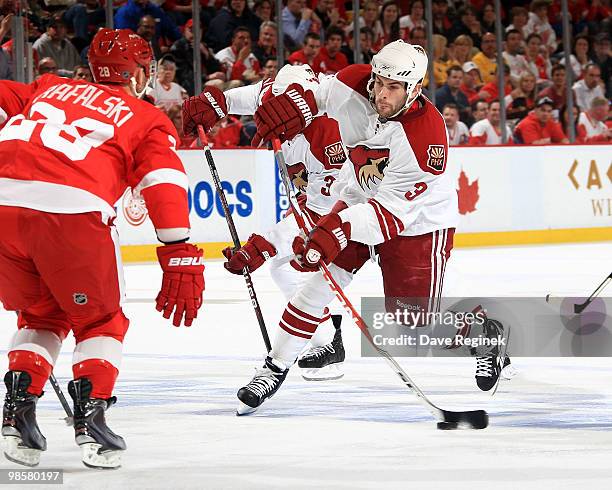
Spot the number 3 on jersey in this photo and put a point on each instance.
(329, 180)
(74, 139)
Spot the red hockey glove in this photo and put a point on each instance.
(285, 115)
(324, 243)
(205, 109)
(252, 255)
(182, 283)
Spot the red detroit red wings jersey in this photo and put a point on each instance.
(68, 146)
(396, 181)
(314, 157)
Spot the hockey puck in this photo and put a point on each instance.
(447, 425)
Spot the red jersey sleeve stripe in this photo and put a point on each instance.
(390, 225)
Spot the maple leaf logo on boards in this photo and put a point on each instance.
(467, 193)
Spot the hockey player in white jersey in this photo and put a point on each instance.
(394, 194)
(314, 158)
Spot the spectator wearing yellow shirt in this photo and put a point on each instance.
(486, 59)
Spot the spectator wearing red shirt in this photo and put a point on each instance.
(238, 58)
(538, 128)
(309, 54)
(330, 59)
(557, 91)
(472, 81)
(490, 92)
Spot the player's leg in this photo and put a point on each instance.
(289, 280)
(324, 360)
(35, 346)
(88, 287)
(413, 273)
(298, 323)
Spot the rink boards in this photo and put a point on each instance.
(508, 195)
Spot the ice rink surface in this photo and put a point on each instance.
(551, 426)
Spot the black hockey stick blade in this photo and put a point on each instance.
(581, 307)
(474, 419)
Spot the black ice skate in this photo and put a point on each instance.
(23, 440)
(100, 446)
(264, 384)
(489, 367)
(324, 362)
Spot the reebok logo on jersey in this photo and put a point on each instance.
(180, 261)
(302, 105)
(335, 154)
(436, 159)
(214, 104)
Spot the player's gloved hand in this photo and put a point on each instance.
(251, 255)
(323, 244)
(206, 109)
(285, 115)
(182, 282)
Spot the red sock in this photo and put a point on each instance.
(101, 373)
(35, 365)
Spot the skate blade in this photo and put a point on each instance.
(326, 373)
(108, 460)
(17, 453)
(244, 409)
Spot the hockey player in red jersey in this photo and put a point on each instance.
(394, 194)
(314, 158)
(68, 151)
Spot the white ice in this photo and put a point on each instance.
(551, 426)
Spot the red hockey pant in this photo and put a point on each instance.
(62, 272)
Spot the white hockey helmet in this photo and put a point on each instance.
(289, 74)
(403, 62)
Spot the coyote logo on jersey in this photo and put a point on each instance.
(335, 155)
(370, 164)
(436, 158)
(299, 176)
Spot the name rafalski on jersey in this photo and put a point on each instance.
(369, 164)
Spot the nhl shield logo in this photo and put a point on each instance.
(435, 158)
(335, 155)
(79, 298)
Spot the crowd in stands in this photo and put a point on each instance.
(239, 44)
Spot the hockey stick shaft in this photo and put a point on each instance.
(234, 235)
(60, 395)
(579, 308)
(344, 301)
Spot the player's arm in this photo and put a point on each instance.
(407, 184)
(14, 96)
(212, 105)
(397, 202)
(159, 176)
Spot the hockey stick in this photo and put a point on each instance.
(234, 234)
(579, 308)
(58, 391)
(473, 419)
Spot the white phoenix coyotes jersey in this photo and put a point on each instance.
(396, 182)
(314, 158)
